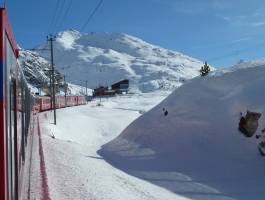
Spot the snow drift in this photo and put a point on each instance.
(106, 58)
(197, 150)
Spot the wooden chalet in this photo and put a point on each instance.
(116, 88)
(121, 86)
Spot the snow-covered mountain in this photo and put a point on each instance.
(196, 149)
(105, 58)
(36, 70)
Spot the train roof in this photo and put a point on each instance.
(6, 28)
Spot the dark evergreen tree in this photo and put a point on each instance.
(205, 69)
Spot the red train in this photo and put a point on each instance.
(18, 112)
(45, 103)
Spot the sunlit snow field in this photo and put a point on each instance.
(121, 150)
(75, 170)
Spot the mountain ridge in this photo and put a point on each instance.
(102, 58)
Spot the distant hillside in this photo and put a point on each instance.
(105, 58)
(36, 70)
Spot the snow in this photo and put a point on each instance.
(35, 68)
(106, 58)
(78, 90)
(37, 72)
(74, 168)
(67, 39)
(128, 149)
(196, 150)
(35, 178)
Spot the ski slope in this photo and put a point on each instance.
(76, 171)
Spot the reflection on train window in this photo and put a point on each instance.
(11, 136)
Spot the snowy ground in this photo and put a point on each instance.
(75, 170)
(197, 150)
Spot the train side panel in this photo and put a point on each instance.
(81, 100)
(60, 102)
(8, 148)
(44, 103)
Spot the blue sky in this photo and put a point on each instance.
(219, 31)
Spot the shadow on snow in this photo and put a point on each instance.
(194, 179)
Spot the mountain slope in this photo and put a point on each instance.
(105, 58)
(37, 73)
(35, 68)
(198, 140)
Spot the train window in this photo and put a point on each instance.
(11, 123)
(27, 112)
(12, 140)
(21, 147)
(23, 119)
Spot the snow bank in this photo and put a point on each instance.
(199, 138)
(75, 170)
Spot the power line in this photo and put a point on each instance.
(87, 21)
(54, 15)
(236, 52)
(57, 13)
(5, 3)
(39, 47)
(60, 11)
(91, 15)
(66, 13)
(58, 6)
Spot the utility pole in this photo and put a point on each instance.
(50, 76)
(65, 89)
(64, 86)
(51, 39)
(86, 89)
(101, 91)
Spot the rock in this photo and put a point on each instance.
(248, 124)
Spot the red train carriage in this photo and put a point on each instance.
(60, 101)
(44, 103)
(15, 115)
(18, 109)
(70, 101)
(81, 100)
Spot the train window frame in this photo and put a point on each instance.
(11, 113)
